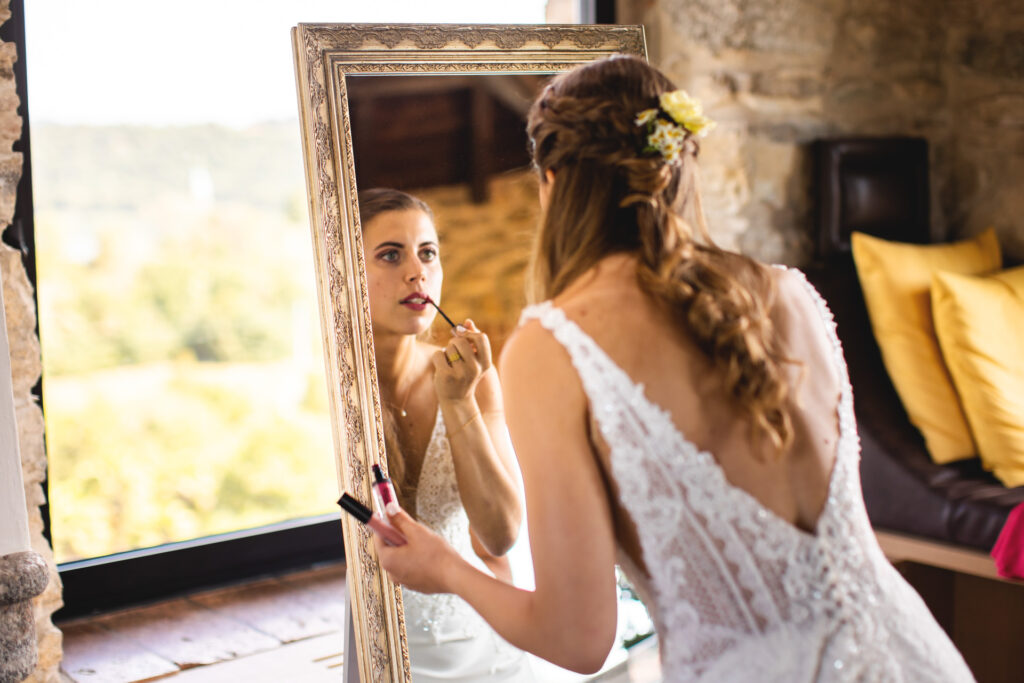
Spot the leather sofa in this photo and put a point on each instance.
(880, 186)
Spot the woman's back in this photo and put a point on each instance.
(653, 350)
(741, 558)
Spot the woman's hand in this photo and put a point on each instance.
(424, 563)
(459, 366)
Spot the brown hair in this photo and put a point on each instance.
(378, 200)
(611, 196)
(372, 203)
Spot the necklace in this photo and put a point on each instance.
(408, 392)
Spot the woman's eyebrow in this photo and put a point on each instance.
(428, 243)
(389, 244)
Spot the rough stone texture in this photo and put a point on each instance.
(485, 248)
(23, 576)
(19, 309)
(26, 367)
(778, 74)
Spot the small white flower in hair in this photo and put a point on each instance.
(646, 116)
(676, 117)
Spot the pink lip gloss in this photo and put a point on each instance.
(387, 532)
(383, 492)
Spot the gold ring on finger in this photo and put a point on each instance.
(453, 356)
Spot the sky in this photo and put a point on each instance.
(198, 61)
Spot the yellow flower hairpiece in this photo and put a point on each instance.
(676, 117)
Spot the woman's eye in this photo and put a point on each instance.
(390, 256)
(428, 254)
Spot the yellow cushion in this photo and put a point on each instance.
(896, 279)
(980, 323)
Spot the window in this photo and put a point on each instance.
(187, 426)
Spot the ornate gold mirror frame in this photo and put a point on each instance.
(324, 55)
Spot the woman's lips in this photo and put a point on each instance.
(416, 302)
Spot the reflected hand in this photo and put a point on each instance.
(424, 563)
(459, 366)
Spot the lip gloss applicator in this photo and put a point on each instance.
(446, 318)
(387, 532)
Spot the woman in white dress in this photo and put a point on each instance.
(448, 451)
(683, 411)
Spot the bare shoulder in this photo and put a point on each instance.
(532, 351)
(795, 308)
(797, 317)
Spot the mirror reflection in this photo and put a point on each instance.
(456, 148)
(459, 144)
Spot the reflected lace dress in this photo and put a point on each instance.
(448, 640)
(737, 593)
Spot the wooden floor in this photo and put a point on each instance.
(281, 629)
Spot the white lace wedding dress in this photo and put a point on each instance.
(448, 640)
(737, 593)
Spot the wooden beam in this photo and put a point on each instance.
(900, 548)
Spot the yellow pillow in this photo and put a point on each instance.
(980, 323)
(896, 279)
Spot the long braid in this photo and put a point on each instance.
(609, 197)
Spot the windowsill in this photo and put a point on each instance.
(269, 626)
(286, 628)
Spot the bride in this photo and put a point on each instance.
(683, 411)
(448, 450)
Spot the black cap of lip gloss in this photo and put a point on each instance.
(355, 508)
(378, 475)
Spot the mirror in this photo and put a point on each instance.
(330, 60)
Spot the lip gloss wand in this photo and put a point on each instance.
(390, 534)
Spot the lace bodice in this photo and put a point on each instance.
(736, 592)
(439, 506)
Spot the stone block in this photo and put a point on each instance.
(10, 175)
(794, 84)
(1000, 54)
(23, 576)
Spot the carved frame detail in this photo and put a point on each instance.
(324, 54)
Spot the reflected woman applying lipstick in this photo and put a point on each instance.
(448, 451)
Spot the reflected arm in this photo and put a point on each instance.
(484, 464)
(570, 618)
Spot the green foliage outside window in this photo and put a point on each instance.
(183, 383)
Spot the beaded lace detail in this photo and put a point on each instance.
(439, 506)
(738, 593)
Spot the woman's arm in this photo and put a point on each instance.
(471, 405)
(570, 618)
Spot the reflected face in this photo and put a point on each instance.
(403, 266)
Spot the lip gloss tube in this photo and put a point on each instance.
(387, 532)
(383, 492)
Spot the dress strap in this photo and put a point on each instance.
(848, 448)
(601, 377)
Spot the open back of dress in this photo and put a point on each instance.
(737, 593)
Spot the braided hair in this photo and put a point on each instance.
(611, 195)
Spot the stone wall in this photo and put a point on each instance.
(777, 74)
(26, 366)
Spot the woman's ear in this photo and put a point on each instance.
(544, 186)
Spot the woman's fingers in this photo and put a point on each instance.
(479, 342)
(399, 518)
(423, 562)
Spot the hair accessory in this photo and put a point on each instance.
(677, 117)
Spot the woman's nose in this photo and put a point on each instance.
(416, 272)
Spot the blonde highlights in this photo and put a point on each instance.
(608, 196)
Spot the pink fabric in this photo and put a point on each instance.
(1008, 552)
